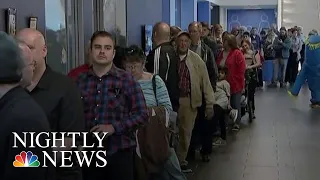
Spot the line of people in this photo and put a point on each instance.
(157, 109)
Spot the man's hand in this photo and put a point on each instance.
(209, 113)
(298, 56)
(103, 128)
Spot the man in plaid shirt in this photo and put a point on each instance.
(113, 103)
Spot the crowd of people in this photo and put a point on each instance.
(158, 110)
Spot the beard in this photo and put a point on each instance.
(182, 52)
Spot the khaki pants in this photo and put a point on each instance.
(186, 117)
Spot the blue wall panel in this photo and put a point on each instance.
(259, 18)
(188, 12)
(166, 11)
(178, 13)
(139, 13)
(204, 11)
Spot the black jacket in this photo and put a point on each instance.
(163, 60)
(20, 113)
(212, 45)
(208, 57)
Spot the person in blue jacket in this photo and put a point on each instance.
(310, 70)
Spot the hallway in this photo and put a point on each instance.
(282, 144)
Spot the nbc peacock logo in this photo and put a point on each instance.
(26, 159)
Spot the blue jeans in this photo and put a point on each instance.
(279, 70)
(172, 170)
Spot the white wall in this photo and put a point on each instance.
(223, 18)
(301, 13)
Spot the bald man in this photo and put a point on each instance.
(27, 72)
(163, 60)
(58, 96)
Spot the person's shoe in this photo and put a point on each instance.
(282, 85)
(233, 115)
(273, 85)
(253, 115)
(205, 158)
(243, 101)
(186, 169)
(292, 95)
(219, 142)
(315, 105)
(236, 127)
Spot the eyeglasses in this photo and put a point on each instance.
(132, 51)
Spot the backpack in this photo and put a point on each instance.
(173, 120)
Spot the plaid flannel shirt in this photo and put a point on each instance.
(116, 99)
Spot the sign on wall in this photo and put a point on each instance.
(259, 18)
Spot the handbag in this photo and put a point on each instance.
(173, 120)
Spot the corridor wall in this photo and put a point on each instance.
(259, 18)
(188, 12)
(204, 11)
(139, 13)
(301, 13)
(35, 8)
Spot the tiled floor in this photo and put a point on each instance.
(282, 144)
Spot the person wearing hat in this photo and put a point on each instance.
(19, 113)
(194, 86)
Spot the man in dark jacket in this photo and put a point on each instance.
(209, 42)
(163, 60)
(201, 128)
(19, 113)
(203, 51)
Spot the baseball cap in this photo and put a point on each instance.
(183, 33)
(11, 62)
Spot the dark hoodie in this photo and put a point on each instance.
(163, 60)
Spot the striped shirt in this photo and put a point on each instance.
(163, 98)
(162, 93)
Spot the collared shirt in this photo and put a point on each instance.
(20, 113)
(184, 84)
(197, 48)
(78, 70)
(116, 99)
(60, 99)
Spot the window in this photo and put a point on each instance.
(112, 18)
(64, 34)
